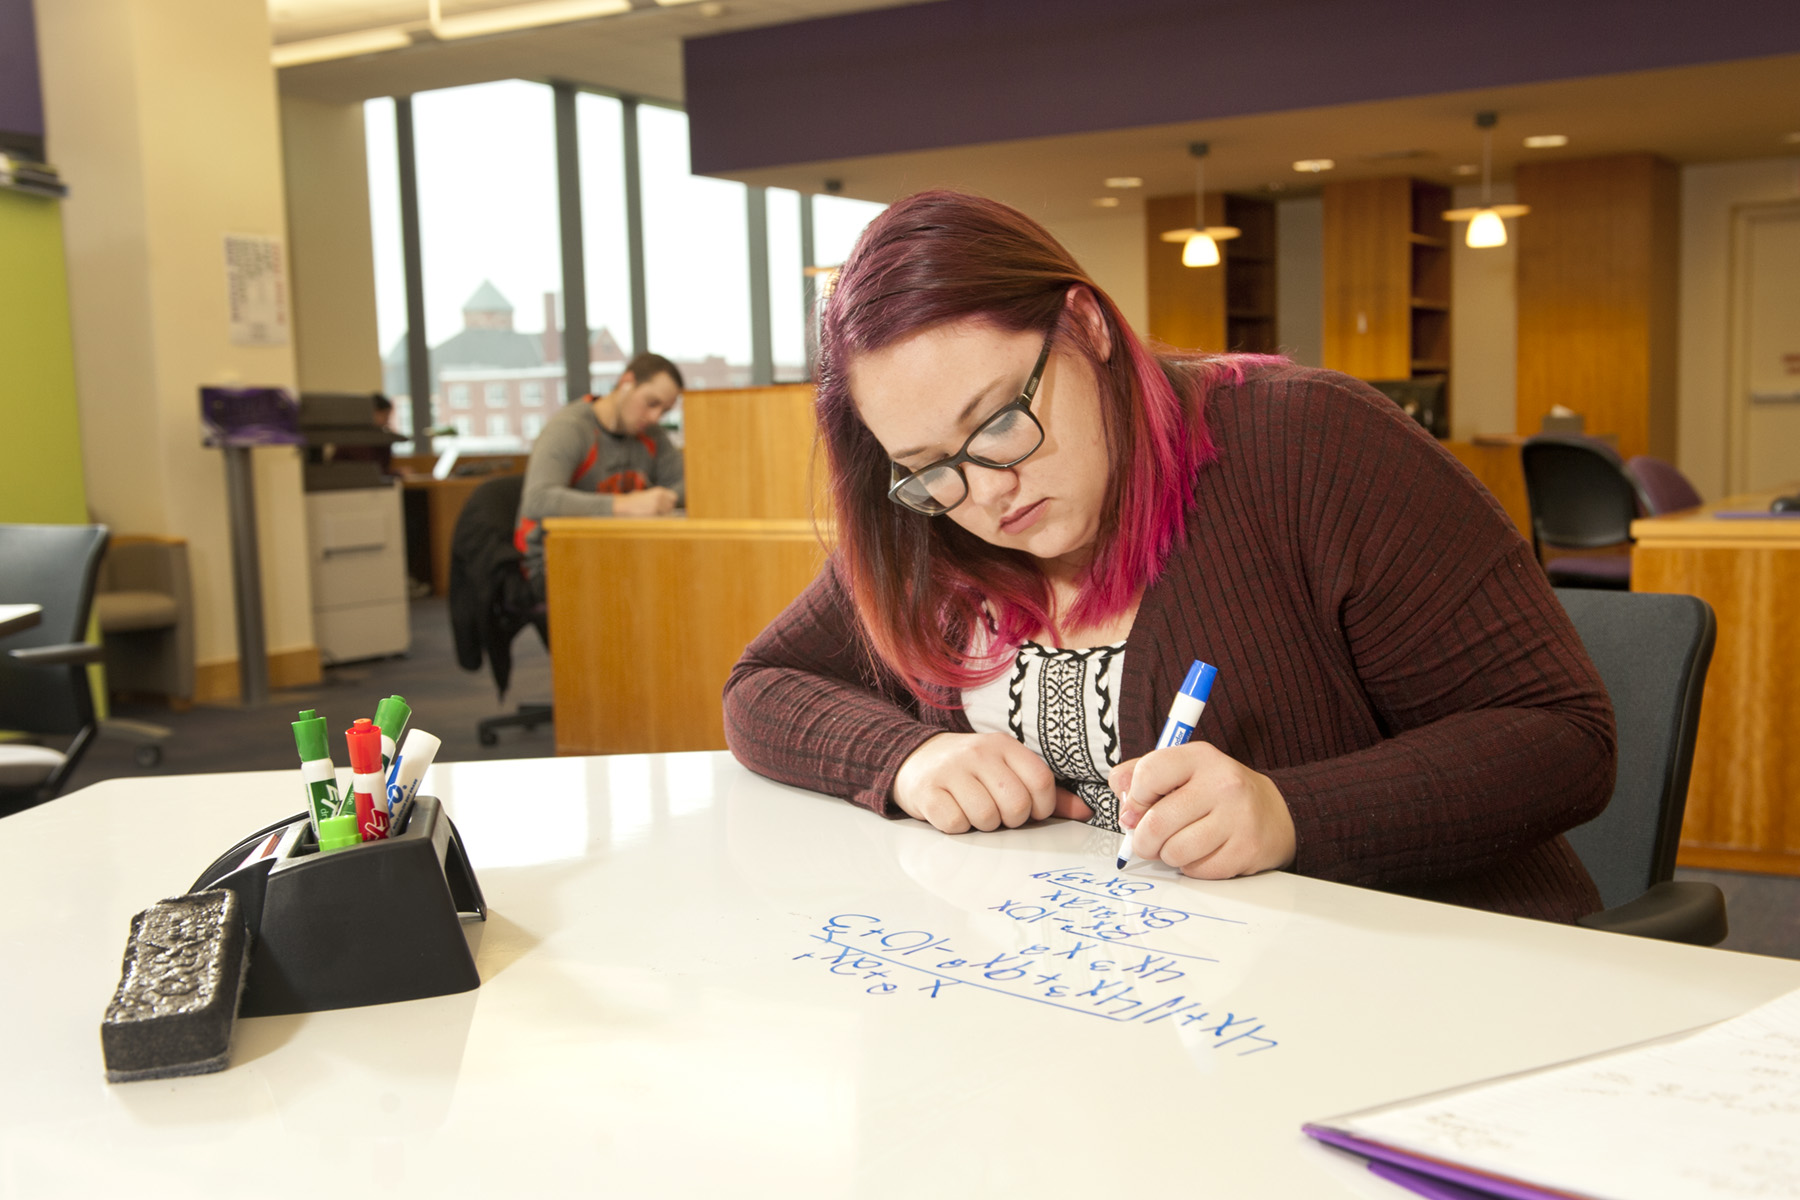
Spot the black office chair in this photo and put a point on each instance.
(43, 670)
(1581, 498)
(490, 600)
(1652, 652)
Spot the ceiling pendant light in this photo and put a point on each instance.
(1200, 244)
(1487, 225)
(1486, 229)
(1200, 250)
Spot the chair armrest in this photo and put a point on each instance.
(56, 656)
(1672, 911)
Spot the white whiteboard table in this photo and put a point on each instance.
(14, 617)
(659, 1016)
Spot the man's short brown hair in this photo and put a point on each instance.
(645, 367)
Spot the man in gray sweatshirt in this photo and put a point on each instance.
(604, 456)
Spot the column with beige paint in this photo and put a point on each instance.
(162, 116)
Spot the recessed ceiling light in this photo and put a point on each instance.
(532, 15)
(1106, 202)
(1546, 141)
(1465, 169)
(340, 45)
(1312, 166)
(1124, 181)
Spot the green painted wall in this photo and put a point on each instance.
(40, 430)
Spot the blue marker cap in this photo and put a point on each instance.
(1199, 681)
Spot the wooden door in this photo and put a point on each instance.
(1765, 333)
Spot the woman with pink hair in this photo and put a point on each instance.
(1040, 523)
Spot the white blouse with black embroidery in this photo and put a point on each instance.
(1063, 705)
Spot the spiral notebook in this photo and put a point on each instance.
(1711, 1114)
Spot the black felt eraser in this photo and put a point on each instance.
(178, 989)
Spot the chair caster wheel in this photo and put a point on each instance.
(148, 756)
(488, 737)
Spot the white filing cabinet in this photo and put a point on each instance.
(356, 552)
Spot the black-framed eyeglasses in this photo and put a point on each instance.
(1006, 439)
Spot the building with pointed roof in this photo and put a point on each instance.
(490, 381)
(487, 309)
(486, 340)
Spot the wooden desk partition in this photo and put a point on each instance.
(751, 452)
(1743, 810)
(648, 615)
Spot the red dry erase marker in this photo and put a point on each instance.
(366, 779)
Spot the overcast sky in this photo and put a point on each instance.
(487, 199)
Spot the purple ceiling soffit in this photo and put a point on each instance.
(961, 72)
(21, 105)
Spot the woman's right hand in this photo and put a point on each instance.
(959, 781)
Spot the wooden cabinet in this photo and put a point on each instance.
(1743, 803)
(1387, 278)
(1227, 307)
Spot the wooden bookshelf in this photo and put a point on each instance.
(1387, 279)
(1249, 262)
(1228, 307)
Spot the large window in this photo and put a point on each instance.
(787, 293)
(696, 258)
(488, 237)
(380, 141)
(600, 130)
(486, 165)
(837, 222)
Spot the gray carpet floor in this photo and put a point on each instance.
(446, 701)
(1764, 910)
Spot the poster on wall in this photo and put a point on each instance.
(256, 288)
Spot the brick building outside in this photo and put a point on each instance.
(496, 386)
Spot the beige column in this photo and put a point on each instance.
(162, 116)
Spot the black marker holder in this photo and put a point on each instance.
(370, 924)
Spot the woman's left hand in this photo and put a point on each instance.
(1203, 812)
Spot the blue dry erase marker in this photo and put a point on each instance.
(1184, 714)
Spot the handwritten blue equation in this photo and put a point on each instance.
(1094, 957)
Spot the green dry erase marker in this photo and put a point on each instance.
(390, 717)
(338, 833)
(317, 774)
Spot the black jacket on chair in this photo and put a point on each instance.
(490, 600)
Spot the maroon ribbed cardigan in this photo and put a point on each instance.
(1389, 654)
